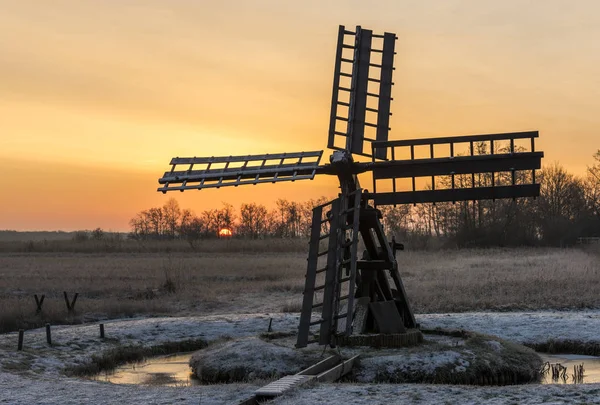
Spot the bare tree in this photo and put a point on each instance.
(171, 217)
(192, 229)
(210, 222)
(140, 225)
(157, 222)
(253, 220)
(592, 187)
(561, 205)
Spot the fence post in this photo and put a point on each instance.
(101, 331)
(20, 345)
(48, 334)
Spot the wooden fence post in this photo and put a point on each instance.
(101, 331)
(48, 334)
(20, 345)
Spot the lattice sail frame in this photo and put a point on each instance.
(511, 169)
(223, 171)
(368, 83)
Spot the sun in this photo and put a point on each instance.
(225, 233)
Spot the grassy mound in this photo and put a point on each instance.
(250, 359)
(460, 358)
(466, 359)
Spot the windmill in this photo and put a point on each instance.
(350, 294)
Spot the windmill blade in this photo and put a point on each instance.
(223, 171)
(509, 160)
(362, 91)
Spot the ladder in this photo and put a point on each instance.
(331, 270)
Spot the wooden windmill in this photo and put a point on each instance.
(346, 294)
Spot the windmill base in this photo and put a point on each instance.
(411, 337)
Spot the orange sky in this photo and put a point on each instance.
(96, 97)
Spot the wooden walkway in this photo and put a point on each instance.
(327, 370)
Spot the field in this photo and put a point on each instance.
(232, 289)
(228, 276)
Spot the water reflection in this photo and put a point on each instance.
(173, 370)
(570, 369)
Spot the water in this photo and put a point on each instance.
(591, 366)
(172, 370)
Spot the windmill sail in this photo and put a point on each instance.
(196, 173)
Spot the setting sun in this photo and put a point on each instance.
(225, 233)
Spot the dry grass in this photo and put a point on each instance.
(501, 279)
(112, 285)
(118, 284)
(123, 245)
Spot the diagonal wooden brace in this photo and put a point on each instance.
(71, 304)
(38, 302)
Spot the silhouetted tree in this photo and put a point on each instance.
(171, 214)
(253, 220)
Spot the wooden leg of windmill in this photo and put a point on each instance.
(402, 301)
(365, 290)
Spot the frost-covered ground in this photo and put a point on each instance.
(34, 375)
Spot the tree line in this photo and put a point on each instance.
(568, 207)
(289, 219)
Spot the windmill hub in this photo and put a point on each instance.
(346, 296)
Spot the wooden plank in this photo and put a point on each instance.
(459, 139)
(336, 85)
(459, 194)
(321, 366)
(385, 92)
(361, 315)
(278, 387)
(311, 275)
(244, 158)
(355, 217)
(387, 317)
(238, 173)
(457, 165)
(327, 313)
(358, 101)
(338, 371)
(218, 184)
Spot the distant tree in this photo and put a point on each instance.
(210, 223)
(140, 225)
(561, 205)
(157, 222)
(97, 234)
(396, 220)
(253, 220)
(192, 229)
(226, 216)
(592, 187)
(171, 214)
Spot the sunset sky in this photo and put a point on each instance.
(97, 96)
